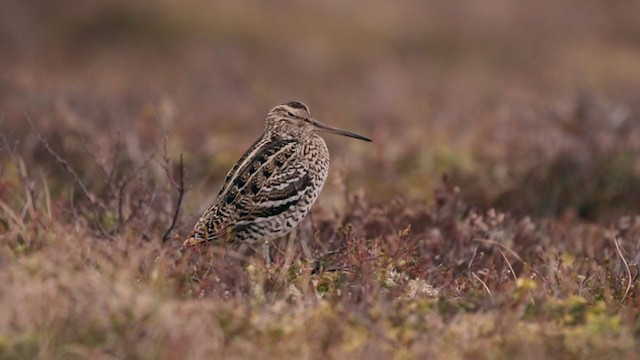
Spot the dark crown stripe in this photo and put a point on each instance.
(297, 105)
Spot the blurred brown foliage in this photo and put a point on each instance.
(528, 247)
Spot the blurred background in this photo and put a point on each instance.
(531, 107)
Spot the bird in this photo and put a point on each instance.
(274, 184)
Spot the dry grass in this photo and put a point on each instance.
(528, 248)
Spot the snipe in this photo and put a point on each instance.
(274, 184)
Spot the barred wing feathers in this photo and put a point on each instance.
(276, 195)
(266, 182)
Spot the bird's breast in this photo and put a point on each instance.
(316, 157)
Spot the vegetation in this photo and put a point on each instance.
(496, 214)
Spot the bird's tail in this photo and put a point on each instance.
(198, 234)
(192, 241)
(202, 232)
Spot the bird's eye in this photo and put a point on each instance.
(290, 114)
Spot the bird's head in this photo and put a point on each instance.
(293, 120)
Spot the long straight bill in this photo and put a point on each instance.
(326, 128)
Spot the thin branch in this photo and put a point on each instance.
(473, 257)
(145, 214)
(482, 282)
(167, 164)
(626, 265)
(515, 278)
(493, 242)
(47, 196)
(98, 159)
(12, 215)
(76, 178)
(126, 181)
(21, 169)
(176, 212)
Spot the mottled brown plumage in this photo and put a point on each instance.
(274, 184)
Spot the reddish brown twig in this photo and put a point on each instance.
(181, 191)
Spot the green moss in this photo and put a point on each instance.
(576, 310)
(109, 221)
(25, 346)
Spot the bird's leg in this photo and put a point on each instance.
(304, 240)
(288, 256)
(290, 245)
(266, 254)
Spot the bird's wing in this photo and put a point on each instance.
(269, 184)
(275, 195)
(257, 166)
(263, 166)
